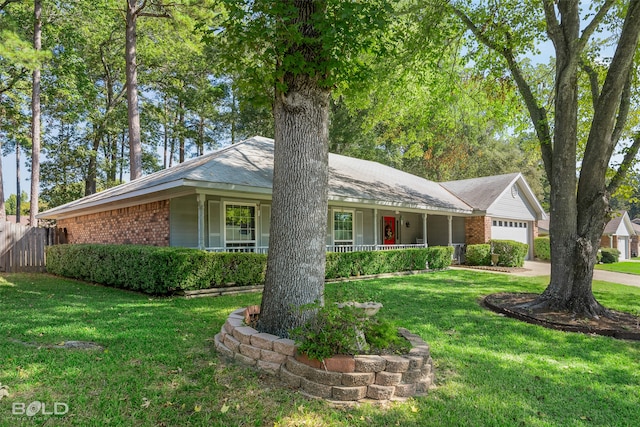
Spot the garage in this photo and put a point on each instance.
(510, 229)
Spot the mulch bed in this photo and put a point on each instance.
(494, 268)
(620, 325)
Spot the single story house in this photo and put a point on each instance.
(635, 240)
(221, 202)
(618, 234)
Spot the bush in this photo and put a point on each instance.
(542, 248)
(353, 264)
(162, 270)
(510, 253)
(439, 257)
(609, 255)
(332, 330)
(478, 254)
(155, 270)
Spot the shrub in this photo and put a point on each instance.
(155, 270)
(162, 270)
(332, 330)
(609, 255)
(439, 257)
(353, 264)
(510, 253)
(478, 254)
(542, 248)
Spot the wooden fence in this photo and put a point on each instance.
(22, 248)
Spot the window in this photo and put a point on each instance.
(495, 223)
(343, 227)
(500, 223)
(240, 225)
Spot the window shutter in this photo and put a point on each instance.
(215, 239)
(265, 223)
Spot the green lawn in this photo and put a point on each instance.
(159, 369)
(621, 267)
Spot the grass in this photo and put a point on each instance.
(159, 369)
(621, 267)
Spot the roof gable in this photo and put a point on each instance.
(620, 225)
(485, 193)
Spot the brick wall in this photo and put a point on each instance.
(146, 224)
(605, 242)
(477, 229)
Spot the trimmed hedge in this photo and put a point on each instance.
(478, 254)
(510, 253)
(350, 264)
(163, 270)
(155, 270)
(609, 255)
(542, 248)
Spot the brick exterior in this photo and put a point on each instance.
(146, 224)
(605, 241)
(477, 229)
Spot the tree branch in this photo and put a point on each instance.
(623, 110)
(156, 15)
(593, 81)
(625, 166)
(553, 26)
(593, 25)
(6, 3)
(537, 114)
(15, 79)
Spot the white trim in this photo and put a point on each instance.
(333, 226)
(256, 230)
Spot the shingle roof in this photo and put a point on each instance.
(481, 192)
(249, 164)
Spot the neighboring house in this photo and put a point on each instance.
(222, 202)
(635, 240)
(618, 233)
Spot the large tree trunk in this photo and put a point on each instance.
(135, 142)
(35, 117)
(578, 217)
(297, 247)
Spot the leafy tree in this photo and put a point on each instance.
(311, 46)
(579, 203)
(35, 115)
(11, 204)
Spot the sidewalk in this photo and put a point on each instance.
(537, 268)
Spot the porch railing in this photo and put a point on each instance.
(330, 248)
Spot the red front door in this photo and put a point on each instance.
(389, 230)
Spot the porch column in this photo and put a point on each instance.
(375, 228)
(201, 198)
(424, 230)
(450, 218)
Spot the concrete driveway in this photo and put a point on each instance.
(537, 268)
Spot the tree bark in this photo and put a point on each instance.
(35, 116)
(297, 249)
(135, 142)
(579, 208)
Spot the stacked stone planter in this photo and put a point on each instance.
(340, 378)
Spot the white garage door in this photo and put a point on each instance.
(508, 229)
(623, 245)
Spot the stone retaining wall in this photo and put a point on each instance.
(341, 378)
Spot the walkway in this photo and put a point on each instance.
(537, 268)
